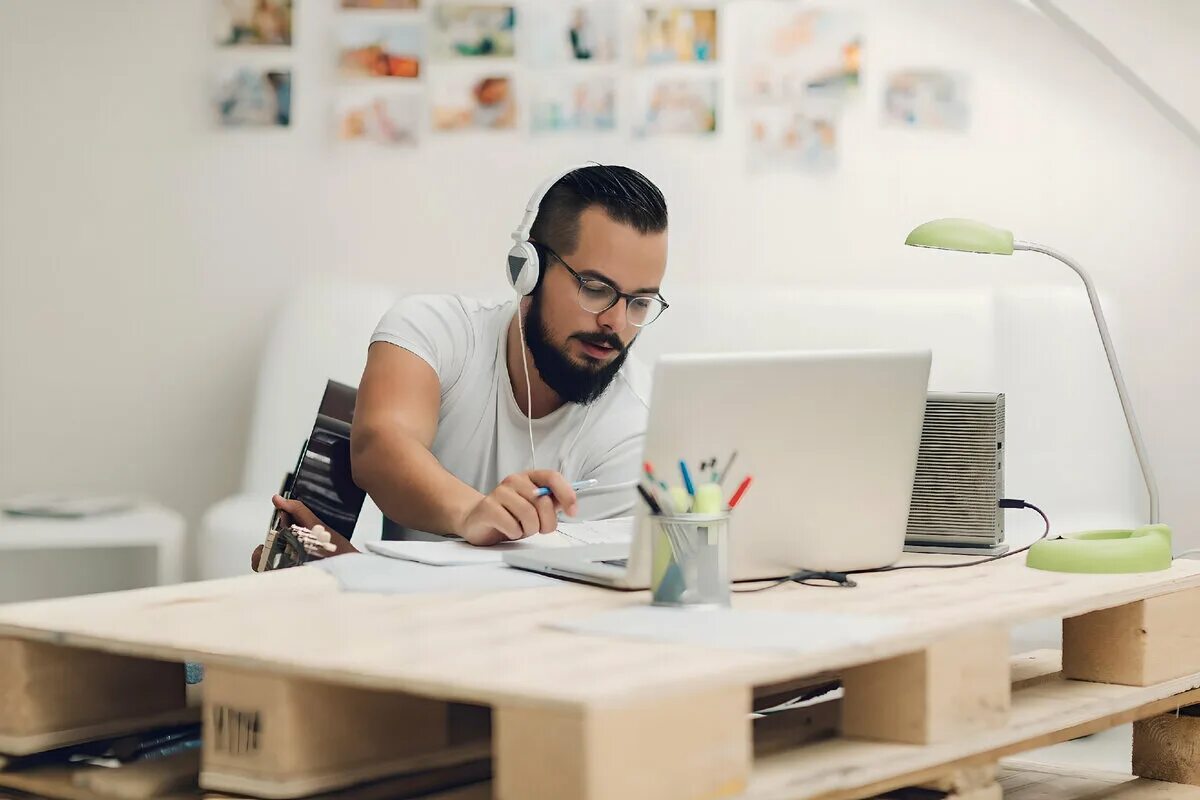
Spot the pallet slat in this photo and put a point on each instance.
(471, 647)
(1045, 713)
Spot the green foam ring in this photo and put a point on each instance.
(1145, 549)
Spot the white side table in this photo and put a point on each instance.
(145, 526)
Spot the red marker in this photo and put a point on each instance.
(741, 490)
(649, 468)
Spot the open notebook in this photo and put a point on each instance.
(458, 553)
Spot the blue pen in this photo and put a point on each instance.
(687, 478)
(577, 485)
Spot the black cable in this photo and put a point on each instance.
(841, 579)
(806, 577)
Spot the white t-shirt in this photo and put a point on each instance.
(482, 435)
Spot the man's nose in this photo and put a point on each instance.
(615, 319)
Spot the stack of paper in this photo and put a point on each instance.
(450, 554)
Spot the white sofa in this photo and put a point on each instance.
(1067, 447)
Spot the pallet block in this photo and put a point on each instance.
(1167, 748)
(957, 686)
(283, 737)
(52, 695)
(683, 747)
(1136, 644)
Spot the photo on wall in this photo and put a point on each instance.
(254, 98)
(370, 49)
(383, 5)
(480, 103)
(927, 100)
(580, 103)
(559, 32)
(677, 35)
(474, 31)
(385, 118)
(789, 51)
(792, 139)
(672, 106)
(249, 23)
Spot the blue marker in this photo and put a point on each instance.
(577, 485)
(687, 478)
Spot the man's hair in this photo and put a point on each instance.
(626, 195)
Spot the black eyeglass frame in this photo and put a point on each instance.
(618, 295)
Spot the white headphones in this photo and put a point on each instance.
(524, 259)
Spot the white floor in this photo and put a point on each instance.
(1108, 751)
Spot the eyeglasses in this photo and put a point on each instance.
(597, 296)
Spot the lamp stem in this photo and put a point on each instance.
(1130, 419)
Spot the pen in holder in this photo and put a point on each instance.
(690, 560)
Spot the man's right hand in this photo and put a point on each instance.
(511, 511)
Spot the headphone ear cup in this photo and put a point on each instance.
(524, 267)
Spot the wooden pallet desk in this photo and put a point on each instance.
(309, 688)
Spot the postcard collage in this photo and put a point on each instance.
(407, 69)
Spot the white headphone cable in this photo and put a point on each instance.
(528, 389)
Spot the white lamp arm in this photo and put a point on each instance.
(1130, 419)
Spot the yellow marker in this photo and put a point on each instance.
(680, 499)
(708, 499)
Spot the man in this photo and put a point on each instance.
(458, 395)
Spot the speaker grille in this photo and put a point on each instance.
(960, 471)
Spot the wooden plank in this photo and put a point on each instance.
(1167, 748)
(37, 743)
(680, 748)
(1041, 715)
(1034, 667)
(1136, 644)
(1026, 781)
(287, 737)
(463, 646)
(954, 687)
(470, 782)
(783, 730)
(52, 696)
(153, 778)
(72, 783)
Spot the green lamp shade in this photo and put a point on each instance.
(1147, 549)
(964, 235)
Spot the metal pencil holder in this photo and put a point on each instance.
(690, 560)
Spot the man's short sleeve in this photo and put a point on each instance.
(435, 328)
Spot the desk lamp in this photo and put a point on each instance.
(1142, 550)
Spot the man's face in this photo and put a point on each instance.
(576, 351)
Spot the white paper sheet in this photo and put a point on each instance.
(362, 572)
(457, 553)
(779, 631)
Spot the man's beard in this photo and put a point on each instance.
(570, 381)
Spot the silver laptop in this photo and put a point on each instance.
(830, 438)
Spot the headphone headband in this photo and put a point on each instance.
(524, 267)
(521, 234)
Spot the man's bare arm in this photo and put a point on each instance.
(395, 419)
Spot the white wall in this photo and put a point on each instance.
(142, 251)
(1160, 44)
